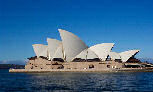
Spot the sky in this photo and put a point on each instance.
(127, 23)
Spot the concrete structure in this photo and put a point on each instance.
(87, 54)
(42, 63)
(127, 54)
(59, 52)
(114, 56)
(73, 54)
(40, 50)
(102, 50)
(72, 45)
(93, 65)
(53, 44)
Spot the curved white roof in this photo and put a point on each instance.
(40, 50)
(87, 54)
(53, 44)
(127, 54)
(114, 55)
(59, 53)
(72, 44)
(102, 50)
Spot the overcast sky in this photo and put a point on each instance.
(127, 23)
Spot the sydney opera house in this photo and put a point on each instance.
(72, 53)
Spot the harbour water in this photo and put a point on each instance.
(75, 81)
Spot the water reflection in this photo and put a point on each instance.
(92, 81)
(70, 81)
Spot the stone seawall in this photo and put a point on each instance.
(57, 70)
(80, 70)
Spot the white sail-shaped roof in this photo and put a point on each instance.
(40, 50)
(72, 44)
(87, 54)
(59, 53)
(53, 44)
(114, 55)
(102, 50)
(127, 54)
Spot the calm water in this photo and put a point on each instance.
(75, 82)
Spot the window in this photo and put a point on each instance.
(48, 64)
(108, 66)
(55, 63)
(102, 63)
(91, 66)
